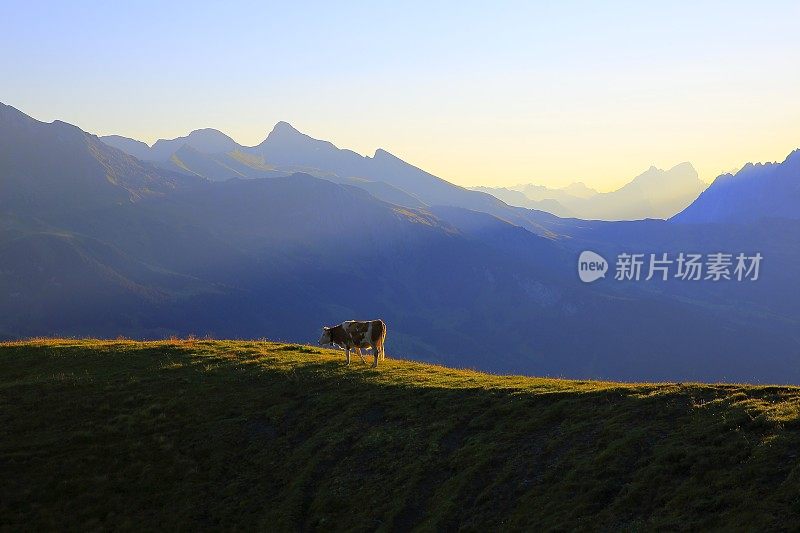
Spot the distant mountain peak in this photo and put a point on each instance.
(682, 172)
(283, 132)
(683, 166)
(208, 132)
(380, 153)
(199, 135)
(284, 128)
(206, 140)
(579, 189)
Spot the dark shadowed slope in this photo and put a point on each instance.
(57, 167)
(269, 436)
(58, 281)
(384, 191)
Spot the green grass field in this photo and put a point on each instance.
(260, 435)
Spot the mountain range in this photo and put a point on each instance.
(286, 151)
(199, 235)
(215, 156)
(655, 193)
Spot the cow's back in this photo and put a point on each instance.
(366, 333)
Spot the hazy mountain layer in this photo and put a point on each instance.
(96, 242)
(655, 193)
(520, 199)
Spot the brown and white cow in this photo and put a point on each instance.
(356, 334)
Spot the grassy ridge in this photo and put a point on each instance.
(273, 436)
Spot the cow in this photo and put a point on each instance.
(356, 334)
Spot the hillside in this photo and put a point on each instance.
(55, 168)
(217, 434)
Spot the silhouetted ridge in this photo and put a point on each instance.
(756, 191)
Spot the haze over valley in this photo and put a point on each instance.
(200, 235)
(654, 193)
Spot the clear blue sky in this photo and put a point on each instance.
(548, 92)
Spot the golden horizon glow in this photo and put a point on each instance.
(517, 92)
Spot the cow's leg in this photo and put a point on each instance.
(376, 354)
(347, 355)
(361, 355)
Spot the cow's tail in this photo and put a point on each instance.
(383, 339)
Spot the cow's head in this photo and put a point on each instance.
(325, 339)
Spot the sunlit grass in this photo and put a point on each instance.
(258, 434)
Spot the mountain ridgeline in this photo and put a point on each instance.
(199, 235)
(285, 151)
(755, 192)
